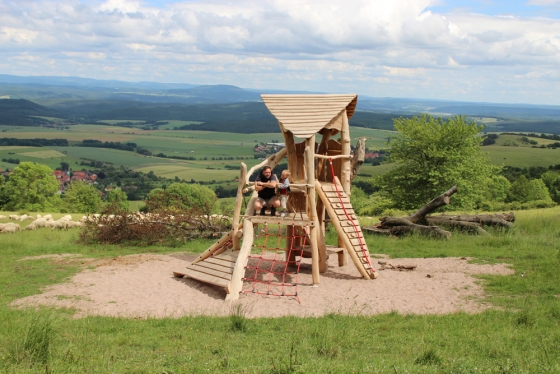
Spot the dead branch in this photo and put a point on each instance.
(358, 158)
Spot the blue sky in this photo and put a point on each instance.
(519, 8)
(478, 50)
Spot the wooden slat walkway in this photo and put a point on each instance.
(216, 269)
(347, 219)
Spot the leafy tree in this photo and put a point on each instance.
(524, 190)
(498, 188)
(552, 181)
(432, 155)
(81, 197)
(64, 166)
(118, 197)
(31, 186)
(182, 196)
(370, 204)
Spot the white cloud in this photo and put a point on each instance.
(376, 47)
(544, 2)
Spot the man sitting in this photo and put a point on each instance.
(265, 185)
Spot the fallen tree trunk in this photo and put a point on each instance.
(463, 225)
(420, 223)
(433, 231)
(441, 200)
(499, 220)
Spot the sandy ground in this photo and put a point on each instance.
(141, 286)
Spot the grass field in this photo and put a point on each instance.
(520, 335)
(522, 156)
(42, 154)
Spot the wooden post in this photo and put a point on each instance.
(236, 284)
(309, 157)
(292, 157)
(323, 147)
(238, 202)
(345, 142)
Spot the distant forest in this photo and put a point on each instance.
(21, 113)
(243, 117)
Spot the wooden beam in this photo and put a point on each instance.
(292, 157)
(333, 157)
(323, 147)
(236, 284)
(319, 259)
(238, 202)
(214, 247)
(345, 142)
(271, 161)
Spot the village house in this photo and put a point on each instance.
(63, 178)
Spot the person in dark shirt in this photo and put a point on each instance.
(265, 185)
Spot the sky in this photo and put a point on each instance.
(504, 51)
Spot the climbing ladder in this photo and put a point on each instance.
(344, 219)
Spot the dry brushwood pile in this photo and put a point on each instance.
(162, 226)
(421, 223)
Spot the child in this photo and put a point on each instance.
(284, 190)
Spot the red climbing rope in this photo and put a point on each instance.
(270, 274)
(358, 232)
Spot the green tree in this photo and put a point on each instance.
(432, 155)
(182, 196)
(552, 181)
(81, 197)
(524, 190)
(498, 188)
(117, 197)
(31, 186)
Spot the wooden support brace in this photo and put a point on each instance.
(236, 284)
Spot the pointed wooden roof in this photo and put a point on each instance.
(306, 115)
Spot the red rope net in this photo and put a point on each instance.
(273, 273)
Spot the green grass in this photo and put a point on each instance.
(521, 334)
(522, 156)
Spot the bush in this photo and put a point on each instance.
(181, 196)
(158, 227)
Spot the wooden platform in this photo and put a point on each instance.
(297, 219)
(216, 270)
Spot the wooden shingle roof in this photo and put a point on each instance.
(305, 115)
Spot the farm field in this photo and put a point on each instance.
(208, 144)
(515, 140)
(522, 156)
(520, 332)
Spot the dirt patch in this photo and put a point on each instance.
(55, 257)
(142, 286)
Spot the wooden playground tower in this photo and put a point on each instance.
(320, 182)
